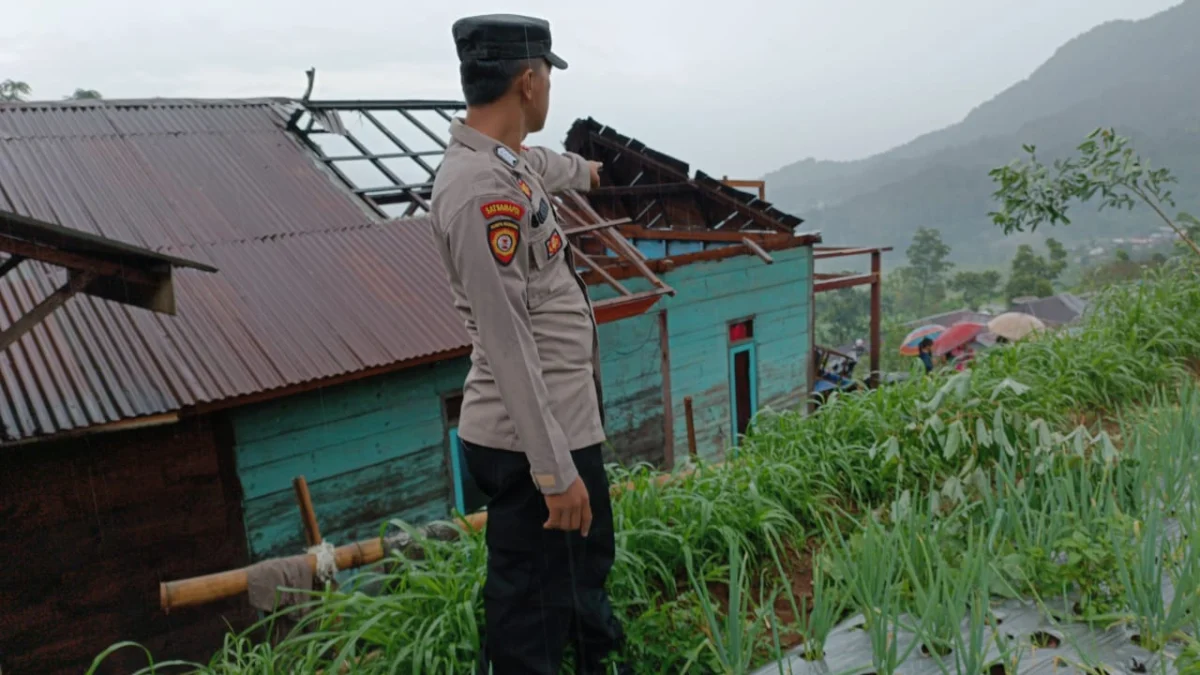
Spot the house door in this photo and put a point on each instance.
(743, 378)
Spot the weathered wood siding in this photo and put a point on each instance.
(88, 529)
(370, 450)
(376, 449)
(708, 297)
(631, 375)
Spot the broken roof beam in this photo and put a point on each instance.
(615, 309)
(608, 278)
(823, 252)
(598, 226)
(651, 189)
(845, 281)
(759, 236)
(619, 244)
(758, 250)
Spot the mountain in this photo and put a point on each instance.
(1141, 77)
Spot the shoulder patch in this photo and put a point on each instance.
(506, 156)
(502, 207)
(503, 237)
(554, 244)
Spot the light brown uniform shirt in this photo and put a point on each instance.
(533, 386)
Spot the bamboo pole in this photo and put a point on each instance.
(221, 585)
(308, 516)
(691, 425)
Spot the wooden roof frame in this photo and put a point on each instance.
(638, 182)
(96, 266)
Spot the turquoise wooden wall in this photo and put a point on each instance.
(708, 297)
(375, 449)
(370, 450)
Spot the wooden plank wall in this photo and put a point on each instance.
(370, 450)
(708, 297)
(375, 449)
(631, 375)
(88, 529)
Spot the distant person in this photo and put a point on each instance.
(961, 356)
(925, 353)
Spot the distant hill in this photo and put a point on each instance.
(1142, 77)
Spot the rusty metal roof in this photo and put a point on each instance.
(313, 283)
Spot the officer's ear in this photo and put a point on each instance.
(527, 81)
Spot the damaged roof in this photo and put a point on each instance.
(316, 284)
(659, 192)
(313, 283)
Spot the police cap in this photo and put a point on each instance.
(504, 37)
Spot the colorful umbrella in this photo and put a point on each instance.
(1013, 326)
(956, 336)
(911, 344)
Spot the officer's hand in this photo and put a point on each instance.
(595, 168)
(571, 510)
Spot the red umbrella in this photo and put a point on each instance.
(956, 336)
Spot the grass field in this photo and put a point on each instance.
(1051, 468)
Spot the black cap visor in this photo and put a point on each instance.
(555, 60)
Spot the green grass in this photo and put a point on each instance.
(1037, 472)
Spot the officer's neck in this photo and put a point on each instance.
(500, 125)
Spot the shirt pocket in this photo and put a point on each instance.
(548, 272)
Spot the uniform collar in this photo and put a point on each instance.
(479, 142)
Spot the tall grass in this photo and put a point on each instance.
(1027, 447)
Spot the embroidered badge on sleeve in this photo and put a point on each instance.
(553, 244)
(503, 237)
(525, 189)
(502, 207)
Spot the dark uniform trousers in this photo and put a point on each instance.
(544, 588)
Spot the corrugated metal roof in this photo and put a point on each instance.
(311, 284)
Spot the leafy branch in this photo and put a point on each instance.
(1032, 194)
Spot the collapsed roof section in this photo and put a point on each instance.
(657, 190)
(670, 217)
(387, 152)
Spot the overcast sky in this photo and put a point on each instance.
(737, 88)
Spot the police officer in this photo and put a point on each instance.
(531, 420)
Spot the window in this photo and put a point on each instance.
(741, 330)
(467, 497)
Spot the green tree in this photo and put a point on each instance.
(1034, 275)
(843, 316)
(13, 90)
(83, 95)
(976, 287)
(1032, 194)
(1122, 255)
(925, 275)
